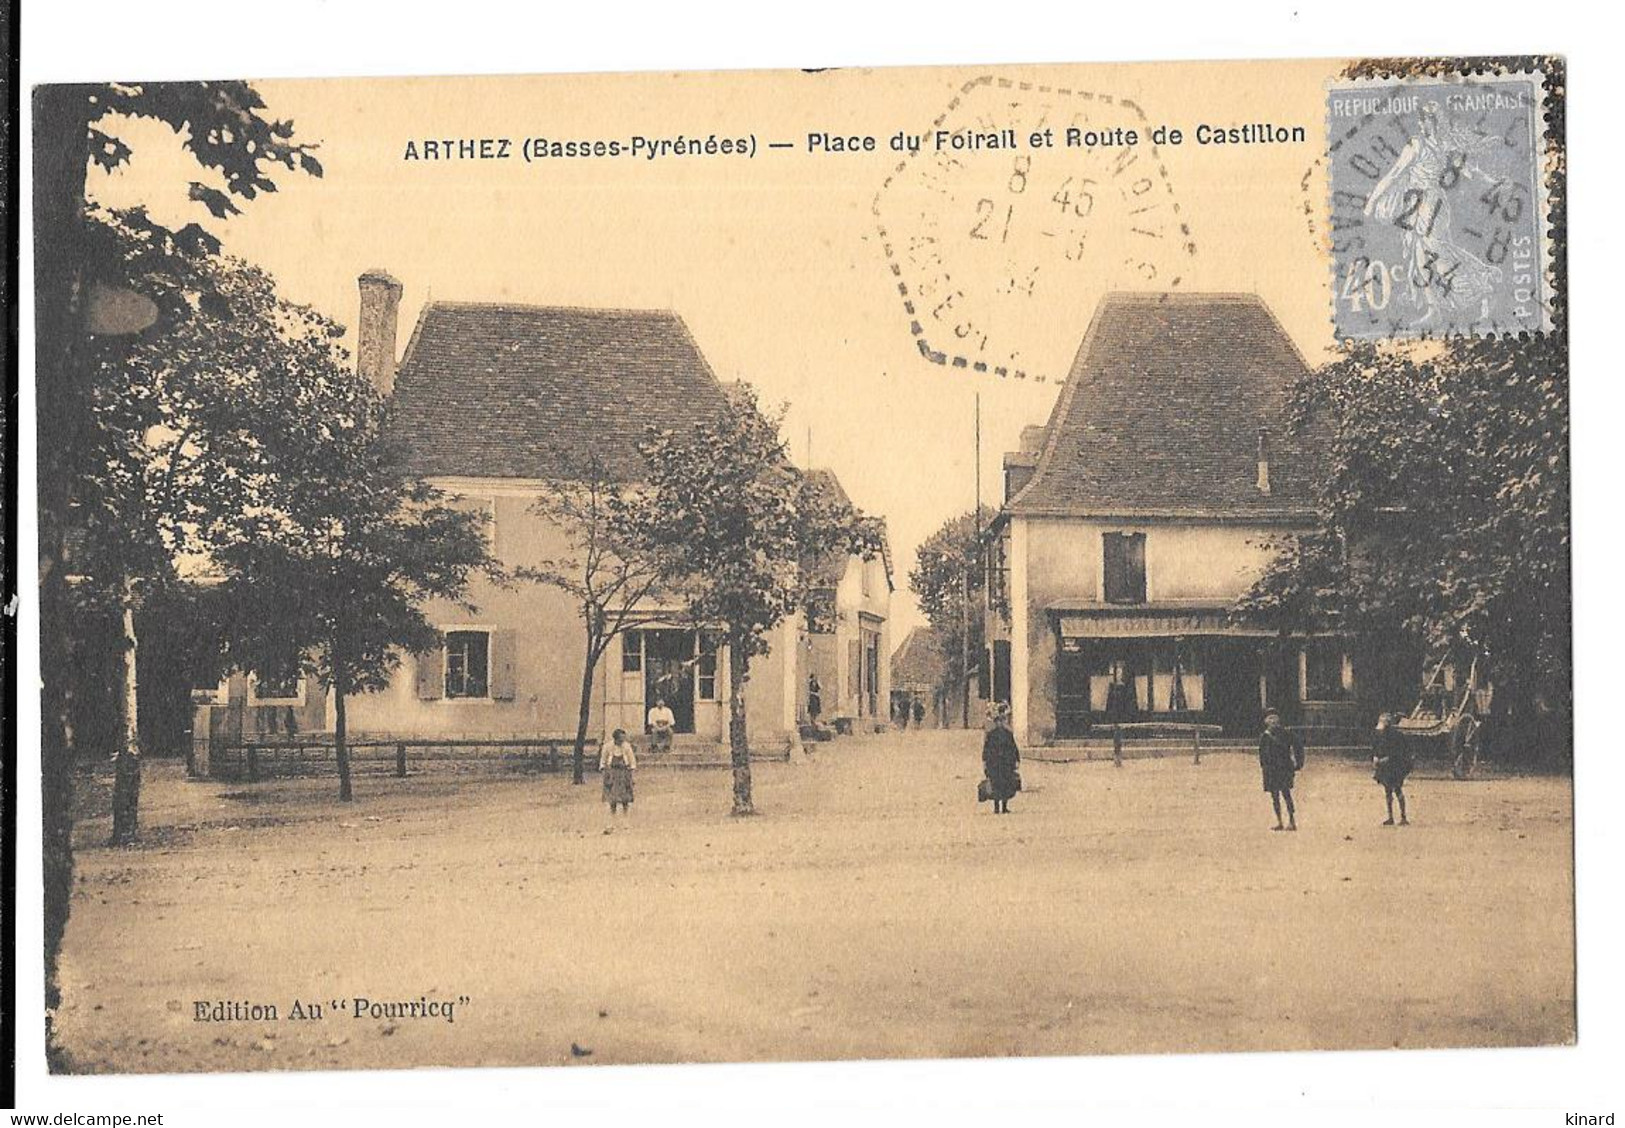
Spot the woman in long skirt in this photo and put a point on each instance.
(616, 763)
(1000, 760)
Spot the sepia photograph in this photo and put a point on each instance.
(800, 566)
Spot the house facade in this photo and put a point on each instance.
(495, 404)
(1154, 497)
(845, 632)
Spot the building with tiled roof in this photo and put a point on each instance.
(1165, 479)
(497, 403)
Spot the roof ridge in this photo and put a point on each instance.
(533, 307)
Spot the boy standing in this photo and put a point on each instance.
(1280, 755)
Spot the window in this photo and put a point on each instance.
(281, 687)
(1123, 574)
(998, 574)
(1323, 671)
(710, 643)
(631, 652)
(468, 664)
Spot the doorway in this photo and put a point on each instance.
(668, 673)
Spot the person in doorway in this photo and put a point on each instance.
(815, 699)
(662, 723)
(1280, 755)
(918, 709)
(1391, 762)
(1001, 759)
(616, 763)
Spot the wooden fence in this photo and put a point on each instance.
(266, 757)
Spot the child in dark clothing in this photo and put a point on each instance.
(1391, 762)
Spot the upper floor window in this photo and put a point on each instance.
(468, 664)
(1123, 575)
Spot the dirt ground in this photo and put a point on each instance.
(871, 910)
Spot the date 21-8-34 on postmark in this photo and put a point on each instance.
(1438, 217)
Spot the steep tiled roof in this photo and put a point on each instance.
(1162, 411)
(918, 663)
(515, 391)
(827, 571)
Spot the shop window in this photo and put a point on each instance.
(631, 652)
(1324, 671)
(468, 664)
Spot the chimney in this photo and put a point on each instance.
(1263, 462)
(375, 343)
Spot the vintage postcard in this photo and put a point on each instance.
(775, 566)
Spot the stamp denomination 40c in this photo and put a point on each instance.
(1438, 217)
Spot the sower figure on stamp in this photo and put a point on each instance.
(662, 723)
(1280, 755)
(1001, 760)
(617, 761)
(1392, 762)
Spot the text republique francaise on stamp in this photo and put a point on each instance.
(1438, 224)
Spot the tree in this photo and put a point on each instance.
(730, 521)
(1445, 504)
(220, 124)
(604, 570)
(1444, 510)
(947, 581)
(174, 447)
(331, 575)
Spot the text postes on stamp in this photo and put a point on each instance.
(1018, 207)
(1438, 221)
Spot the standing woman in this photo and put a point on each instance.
(616, 762)
(1000, 759)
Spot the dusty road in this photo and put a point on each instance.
(872, 910)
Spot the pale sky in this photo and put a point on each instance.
(777, 263)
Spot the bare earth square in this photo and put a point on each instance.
(872, 910)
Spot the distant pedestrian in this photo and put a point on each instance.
(899, 712)
(815, 699)
(1280, 755)
(617, 761)
(1001, 760)
(918, 709)
(662, 723)
(1392, 761)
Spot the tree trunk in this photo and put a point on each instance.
(341, 747)
(127, 758)
(578, 772)
(61, 143)
(738, 737)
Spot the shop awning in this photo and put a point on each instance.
(1150, 622)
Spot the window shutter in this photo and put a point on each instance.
(432, 674)
(504, 645)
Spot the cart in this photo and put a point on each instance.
(1449, 721)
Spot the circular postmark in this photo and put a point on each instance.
(1017, 207)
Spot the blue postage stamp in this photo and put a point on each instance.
(1438, 216)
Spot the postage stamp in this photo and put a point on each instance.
(1438, 218)
(1021, 198)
